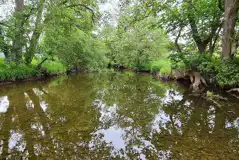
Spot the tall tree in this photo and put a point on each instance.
(36, 33)
(230, 19)
(18, 38)
(193, 21)
(137, 44)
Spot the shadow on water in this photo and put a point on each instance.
(119, 115)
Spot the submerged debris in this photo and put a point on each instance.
(211, 95)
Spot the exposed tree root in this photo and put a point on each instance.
(196, 79)
(233, 90)
(234, 95)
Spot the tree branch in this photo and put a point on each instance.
(27, 16)
(177, 38)
(195, 33)
(84, 6)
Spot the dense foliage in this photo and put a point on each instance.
(162, 37)
(53, 29)
(137, 45)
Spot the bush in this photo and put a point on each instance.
(188, 61)
(165, 71)
(54, 66)
(12, 71)
(17, 72)
(224, 73)
(160, 66)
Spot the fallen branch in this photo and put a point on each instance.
(234, 95)
(233, 90)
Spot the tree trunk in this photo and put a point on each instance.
(194, 29)
(230, 18)
(36, 33)
(200, 45)
(16, 53)
(201, 40)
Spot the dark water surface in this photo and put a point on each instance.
(115, 116)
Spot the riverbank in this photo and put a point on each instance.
(11, 72)
(194, 79)
(202, 71)
(160, 70)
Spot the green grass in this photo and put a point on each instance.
(12, 72)
(35, 61)
(54, 66)
(162, 67)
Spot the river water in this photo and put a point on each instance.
(115, 115)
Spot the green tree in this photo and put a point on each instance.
(199, 21)
(17, 45)
(138, 44)
(21, 31)
(36, 33)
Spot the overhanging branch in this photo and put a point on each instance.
(84, 6)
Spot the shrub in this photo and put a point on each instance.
(165, 71)
(161, 65)
(12, 71)
(188, 61)
(154, 67)
(17, 72)
(137, 45)
(214, 69)
(227, 73)
(222, 72)
(54, 66)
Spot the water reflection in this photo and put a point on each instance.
(4, 104)
(114, 116)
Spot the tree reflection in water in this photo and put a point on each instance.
(114, 116)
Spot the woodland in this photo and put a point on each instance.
(172, 39)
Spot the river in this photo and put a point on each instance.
(115, 115)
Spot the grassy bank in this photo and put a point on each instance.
(13, 72)
(159, 67)
(162, 69)
(217, 72)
